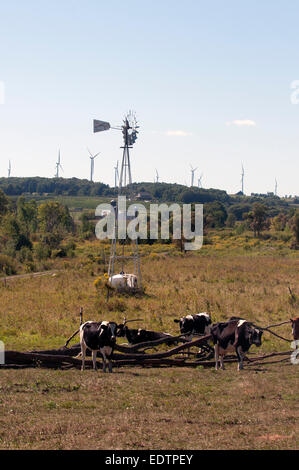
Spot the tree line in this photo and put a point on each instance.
(31, 232)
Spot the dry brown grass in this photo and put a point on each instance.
(42, 312)
(150, 409)
(140, 408)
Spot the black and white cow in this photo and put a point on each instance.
(295, 328)
(137, 336)
(98, 336)
(235, 335)
(199, 324)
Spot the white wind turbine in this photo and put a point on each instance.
(200, 181)
(157, 176)
(92, 157)
(193, 170)
(242, 179)
(116, 175)
(58, 166)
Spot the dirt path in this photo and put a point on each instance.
(23, 276)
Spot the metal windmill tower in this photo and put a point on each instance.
(193, 170)
(92, 157)
(117, 251)
(129, 130)
(9, 169)
(116, 175)
(242, 179)
(58, 166)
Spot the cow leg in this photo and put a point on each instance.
(240, 358)
(83, 352)
(110, 365)
(216, 348)
(94, 360)
(222, 361)
(104, 361)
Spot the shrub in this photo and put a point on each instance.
(24, 254)
(7, 265)
(42, 251)
(70, 248)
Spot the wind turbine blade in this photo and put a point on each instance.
(89, 152)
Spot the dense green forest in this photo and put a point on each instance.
(56, 186)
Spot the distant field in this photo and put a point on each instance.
(152, 408)
(72, 202)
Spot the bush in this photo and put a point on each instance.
(70, 248)
(24, 254)
(58, 253)
(7, 265)
(29, 267)
(42, 251)
(231, 220)
(241, 227)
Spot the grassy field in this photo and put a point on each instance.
(150, 409)
(160, 408)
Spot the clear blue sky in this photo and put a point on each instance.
(209, 81)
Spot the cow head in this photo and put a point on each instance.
(108, 330)
(121, 330)
(255, 336)
(186, 324)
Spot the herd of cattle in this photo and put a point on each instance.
(235, 335)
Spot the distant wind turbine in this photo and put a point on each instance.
(116, 175)
(58, 166)
(9, 169)
(92, 157)
(157, 176)
(200, 181)
(275, 192)
(242, 179)
(193, 170)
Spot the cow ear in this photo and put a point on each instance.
(176, 321)
(291, 320)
